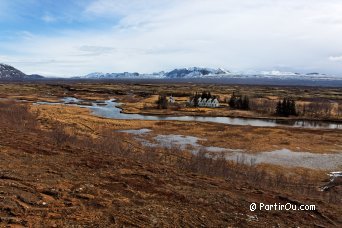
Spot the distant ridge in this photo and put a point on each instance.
(219, 75)
(191, 72)
(10, 73)
(196, 72)
(100, 75)
(211, 73)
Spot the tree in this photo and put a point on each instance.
(195, 98)
(232, 101)
(292, 108)
(206, 94)
(239, 102)
(279, 108)
(162, 102)
(245, 103)
(287, 107)
(209, 95)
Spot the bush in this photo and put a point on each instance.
(17, 116)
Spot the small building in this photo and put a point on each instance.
(203, 102)
(215, 103)
(171, 99)
(210, 103)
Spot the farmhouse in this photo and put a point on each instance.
(210, 103)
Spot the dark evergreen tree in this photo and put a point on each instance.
(239, 102)
(206, 94)
(286, 107)
(232, 101)
(162, 102)
(245, 103)
(292, 108)
(196, 99)
(279, 108)
(203, 95)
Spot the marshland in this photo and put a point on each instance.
(98, 154)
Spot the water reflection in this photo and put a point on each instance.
(110, 109)
(283, 157)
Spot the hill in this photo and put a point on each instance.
(8, 72)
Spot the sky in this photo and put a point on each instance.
(77, 37)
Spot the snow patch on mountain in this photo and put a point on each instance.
(192, 72)
(8, 72)
(201, 72)
(278, 73)
(196, 72)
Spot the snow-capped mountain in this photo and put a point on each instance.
(100, 75)
(196, 72)
(275, 74)
(210, 73)
(278, 73)
(8, 72)
(192, 72)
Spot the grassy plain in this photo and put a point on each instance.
(71, 168)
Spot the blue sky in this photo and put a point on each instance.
(76, 37)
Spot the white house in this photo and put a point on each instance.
(215, 103)
(203, 102)
(199, 100)
(210, 103)
(171, 99)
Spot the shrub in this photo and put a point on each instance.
(17, 116)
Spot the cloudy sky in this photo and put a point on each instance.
(77, 37)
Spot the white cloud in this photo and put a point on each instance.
(123, 7)
(48, 18)
(152, 35)
(96, 50)
(335, 58)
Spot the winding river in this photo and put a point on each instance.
(111, 109)
(284, 157)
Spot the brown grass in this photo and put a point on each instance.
(92, 176)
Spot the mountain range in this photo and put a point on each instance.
(8, 72)
(192, 72)
(207, 73)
